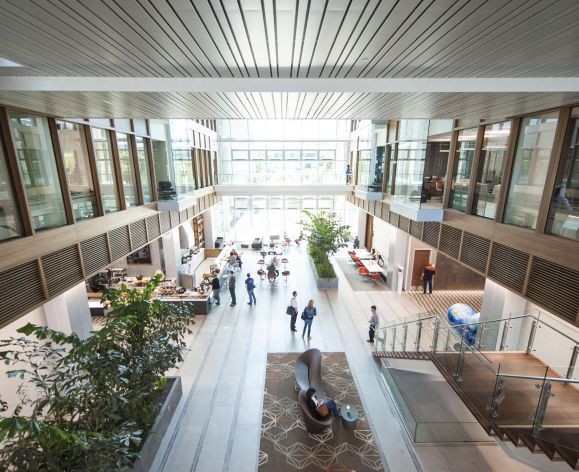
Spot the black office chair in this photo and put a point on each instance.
(166, 190)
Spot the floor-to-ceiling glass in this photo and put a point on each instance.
(105, 169)
(10, 222)
(127, 170)
(144, 174)
(462, 168)
(38, 168)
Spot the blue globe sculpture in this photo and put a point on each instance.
(462, 317)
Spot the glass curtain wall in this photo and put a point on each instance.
(127, 170)
(105, 169)
(490, 169)
(37, 164)
(144, 169)
(364, 149)
(462, 168)
(533, 152)
(182, 144)
(162, 159)
(412, 138)
(563, 219)
(78, 170)
(278, 152)
(10, 221)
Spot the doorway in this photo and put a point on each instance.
(421, 260)
(369, 236)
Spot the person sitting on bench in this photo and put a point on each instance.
(321, 408)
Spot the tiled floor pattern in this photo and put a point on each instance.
(217, 424)
(440, 300)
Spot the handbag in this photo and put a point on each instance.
(290, 310)
(304, 316)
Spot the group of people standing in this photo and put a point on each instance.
(308, 315)
(231, 283)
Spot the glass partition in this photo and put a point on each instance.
(10, 221)
(462, 168)
(490, 169)
(127, 170)
(37, 164)
(563, 219)
(144, 173)
(533, 153)
(78, 169)
(105, 169)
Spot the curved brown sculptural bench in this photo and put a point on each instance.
(308, 372)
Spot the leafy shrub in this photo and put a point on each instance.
(92, 400)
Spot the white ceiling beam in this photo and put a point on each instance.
(202, 85)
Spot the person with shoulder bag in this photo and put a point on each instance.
(292, 310)
(308, 317)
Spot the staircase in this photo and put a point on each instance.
(512, 394)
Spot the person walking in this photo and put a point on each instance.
(216, 285)
(308, 317)
(373, 321)
(348, 174)
(356, 243)
(231, 285)
(294, 304)
(250, 286)
(428, 277)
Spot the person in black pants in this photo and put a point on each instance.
(231, 285)
(428, 277)
(215, 285)
(294, 316)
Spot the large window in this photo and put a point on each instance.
(10, 222)
(462, 168)
(490, 169)
(78, 170)
(530, 169)
(563, 217)
(144, 169)
(127, 170)
(38, 167)
(105, 169)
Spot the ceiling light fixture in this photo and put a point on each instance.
(7, 63)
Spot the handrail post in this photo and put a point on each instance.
(435, 335)
(532, 334)
(505, 335)
(384, 338)
(460, 363)
(481, 337)
(572, 362)
(418, 335)
(446, 347)
(496, 400)
(541, 408)
(394, 339)
(405, 329)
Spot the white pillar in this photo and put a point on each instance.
(208, 225)
(69, 312)
(171, 253)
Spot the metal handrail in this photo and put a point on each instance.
(410, 321)
(534, 377)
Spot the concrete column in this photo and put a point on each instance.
(171, 253)
(361, 230)
(397, 257)
(208, 223)
(69, 312)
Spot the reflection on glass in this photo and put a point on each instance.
(37, 164)
(105, 169)
(127, 170)
(437, 152)
(163, 162)
(78, 171)
(184, 179)
(532, 156)
(563, 217)
(490, 168)
(462, 168)
(10, 222)
(409, 172)
(143, 169)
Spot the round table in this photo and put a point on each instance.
(349, 417)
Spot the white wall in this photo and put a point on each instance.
(392, 243)
(69, 312)
(171, 253)
(360, 231)
(208, 228)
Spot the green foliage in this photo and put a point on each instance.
(87, 404)
(325, 235)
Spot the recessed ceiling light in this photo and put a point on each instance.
(7, 63)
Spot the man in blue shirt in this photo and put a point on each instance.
(250, 286)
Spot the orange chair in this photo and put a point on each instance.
(284, 261)
(363, 271)
(261, 262)
(374, 277)
(285, 273)
(359, 263)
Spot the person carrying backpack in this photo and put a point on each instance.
(250, 286)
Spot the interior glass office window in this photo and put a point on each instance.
(490, 169)
(105, 169)
(563, 219)
(462, 168)
(10, 221)
(127, 170)
(37, 164)
(144, 172)
(532, 156)
(78, 169)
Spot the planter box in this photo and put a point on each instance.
(323, 284)
(155, 436)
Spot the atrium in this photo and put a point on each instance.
(401, 178)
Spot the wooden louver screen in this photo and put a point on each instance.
(62, 270)
(508, 266)
(430, 233)
(95, 254)
(153, 227)
(475, 251)
(21, 291)
(450, 240)
(119, 239)
(138, 234)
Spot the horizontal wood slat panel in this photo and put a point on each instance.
(450, 240)
(138, 234)
(21, 291)
(430, 233)
(508, 266)
(119, 239)
(95, 254)
(416, 229)
(153, 230)
(62, 270)
(475, 251)
(165, 220)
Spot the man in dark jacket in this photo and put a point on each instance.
(216, 285)
(231, 286)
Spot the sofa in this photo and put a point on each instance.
(308, 372)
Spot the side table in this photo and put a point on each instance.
(349, 416)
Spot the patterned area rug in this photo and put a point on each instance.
(287, 446)
(440, 300)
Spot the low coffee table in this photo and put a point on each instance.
(349, 416)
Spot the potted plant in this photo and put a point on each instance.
(89, 404)
(325, 235)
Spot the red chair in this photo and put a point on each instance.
(363, 271)
(375, 277)
(285, 273)
(261, 274)
(284, 261)
(359, 263)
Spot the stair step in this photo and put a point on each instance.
(415, 355)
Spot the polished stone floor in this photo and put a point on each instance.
(217, 424)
